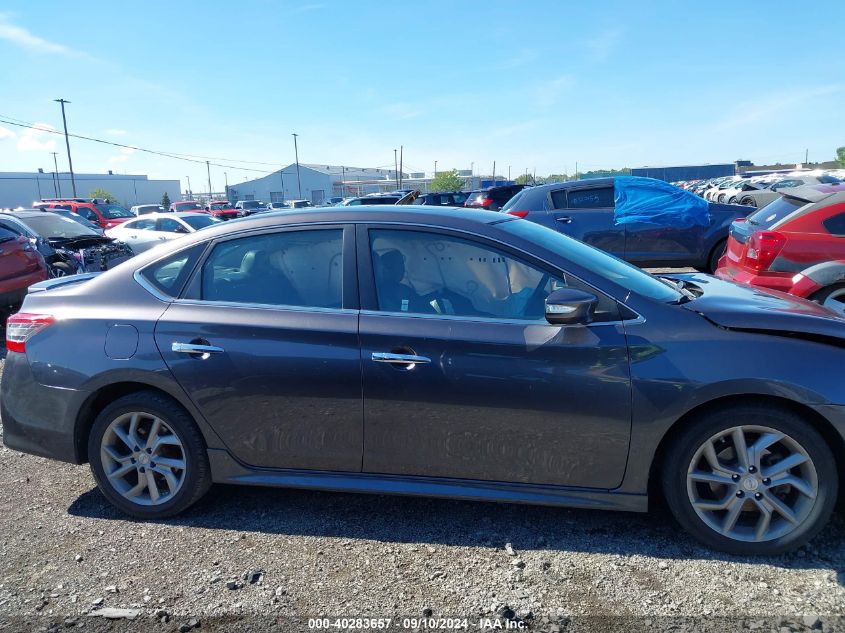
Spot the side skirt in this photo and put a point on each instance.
(227, 470)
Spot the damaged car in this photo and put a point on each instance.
(67, 246)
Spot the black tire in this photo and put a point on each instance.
(820, 296)
(715, 256)
(197, 479)
(61, 269)
(732, 200)
(703, 427)
(748, 202)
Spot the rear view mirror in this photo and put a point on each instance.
(568, 306)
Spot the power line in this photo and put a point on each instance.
(184, 157)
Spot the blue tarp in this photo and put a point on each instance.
(656, 202)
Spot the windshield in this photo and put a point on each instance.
(183, 206)
(198, 222)
(110, 211)
(602, 264)
(775, 211)
(220, 206)
(52, 225)
(251, 204)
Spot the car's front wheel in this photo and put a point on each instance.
(147, 456)
(751, 480)
(749, 202)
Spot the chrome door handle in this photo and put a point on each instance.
(399, 359)
(191, 348)
(565, 219)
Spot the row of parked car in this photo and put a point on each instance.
(758, 191)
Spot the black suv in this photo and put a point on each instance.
(492, 198)
(443, 199)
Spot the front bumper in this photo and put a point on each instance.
(36, 418)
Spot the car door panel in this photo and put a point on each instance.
(593, 225)
(492, 399)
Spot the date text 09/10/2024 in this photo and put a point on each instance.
(420, 623)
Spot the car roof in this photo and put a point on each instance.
(815, 193)
(566, 184)
(26, 213)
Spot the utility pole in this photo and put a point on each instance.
(401, 149)
(296, 153)
(494, 173)
(342, 181)
(208, 167)
(576, 170)
(67, 144)
(190, 191)
(57, 185)
(435, 169)
(396, 167)
(806, 156)
(509, 172)
(282, 178)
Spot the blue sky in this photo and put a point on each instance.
(531, 85)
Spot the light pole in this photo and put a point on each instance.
(396, 168)
(435, 169)
(67, 144)
(296, 154)
(57, 183)
(190, 191)
(208, 167)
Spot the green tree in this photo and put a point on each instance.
(102, 194)
(524, 179)
(165, 201)
(447, 181)
(840, 155)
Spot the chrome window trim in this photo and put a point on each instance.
(264, 306)
(146, 285)
(500, 321)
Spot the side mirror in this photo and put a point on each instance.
(569, 306)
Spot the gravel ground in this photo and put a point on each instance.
(249, 559)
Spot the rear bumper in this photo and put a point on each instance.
(38, 419)
(782, 283)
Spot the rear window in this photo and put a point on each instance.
(774, 212)
(835, 224)
(169, 275)
(593, 198)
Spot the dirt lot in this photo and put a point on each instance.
(261, 559)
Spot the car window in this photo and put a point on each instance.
(168, 275)
(559, 199)
(591, 198)
(435, 274)
(87, 214)
(459, 198)
(141, 225)
(169, 225)
(8, 226)
(293, 268)
(835, 224)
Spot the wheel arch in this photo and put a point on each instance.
(813, 417)
(99, 398)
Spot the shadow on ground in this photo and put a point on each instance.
(462, 523)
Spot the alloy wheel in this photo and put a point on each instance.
(836, 301)
(752, 483)
(143, 458)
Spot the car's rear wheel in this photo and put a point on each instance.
(732, 200)
(831, 297)
(147, 456)
(748, 202)
(716, 255)
(763, 486)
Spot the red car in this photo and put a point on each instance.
(186, 205)
(222, 209)
(103, 213)
(20, 267)
(795, 244)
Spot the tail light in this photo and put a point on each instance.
(519, 214)
(486, 202)
(763, 248)
(22, 326)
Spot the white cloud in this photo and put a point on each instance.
(128, 150)
(125, 153)
(22, 37)
(116, 132)
(604, 44)
(33, 140)
(401, 111)
(6, 133)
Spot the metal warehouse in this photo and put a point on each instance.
(686, 172)
(313, 182)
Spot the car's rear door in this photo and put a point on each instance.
(586, 213)
(265, 343)
(463, 377)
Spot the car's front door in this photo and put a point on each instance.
(586, 213)
(265, 343)
(463, 377)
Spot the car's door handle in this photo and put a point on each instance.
(566, 219)
(193, 348)
(399, 359)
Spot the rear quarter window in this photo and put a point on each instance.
(835, 224)
(169, 275)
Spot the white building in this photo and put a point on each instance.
(21, 189)
(316, 183)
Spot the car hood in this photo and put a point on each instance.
(740, 307)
